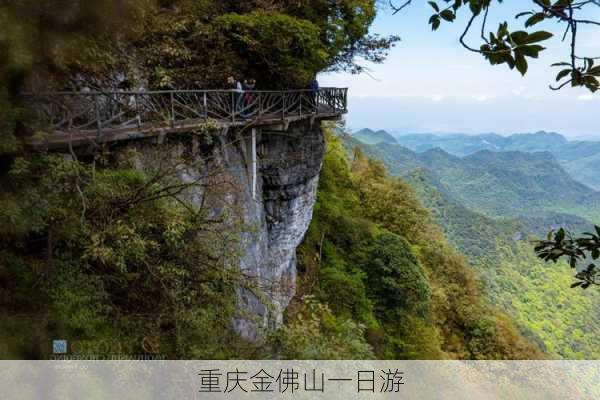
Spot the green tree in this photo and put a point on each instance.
(108, 252)
(512, 48)
(395, 278)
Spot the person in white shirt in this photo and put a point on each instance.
(236, 86)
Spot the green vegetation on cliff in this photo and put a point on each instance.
(374, 257)
(104, 254)
(97, 250)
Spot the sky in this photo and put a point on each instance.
(430, 83)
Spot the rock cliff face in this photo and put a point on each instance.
(274, 220)
(288, 174)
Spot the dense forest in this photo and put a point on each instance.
(377, 277)
(100, 252)
(375, 257)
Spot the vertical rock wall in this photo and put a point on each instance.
(275, 220)
(289, 165)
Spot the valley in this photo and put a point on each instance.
(491, 205)
(579, 158)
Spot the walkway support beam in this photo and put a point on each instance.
(254, 164)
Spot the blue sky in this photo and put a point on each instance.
(430, 83)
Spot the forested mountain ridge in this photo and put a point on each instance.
(463, 144)
(579, 157)
(168, 242)
(498, 184)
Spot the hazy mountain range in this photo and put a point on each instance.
(581, 159)
(531, 187)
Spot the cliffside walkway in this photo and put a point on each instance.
(78, 118)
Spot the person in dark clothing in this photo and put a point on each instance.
(249, 87)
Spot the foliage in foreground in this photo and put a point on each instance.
(510, 46)
(108, 258)
(111, 260)
(577, 251)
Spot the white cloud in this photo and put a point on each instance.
(519, 91)
(482, 97)
(588, 97)
(378, 96)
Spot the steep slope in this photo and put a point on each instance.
(397, 160)
(165, 221)
(564, 322)
(165, 243)
(373, 256)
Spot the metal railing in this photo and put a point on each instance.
(102, 112)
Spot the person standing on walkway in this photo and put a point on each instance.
(249, 87)
(238, 91)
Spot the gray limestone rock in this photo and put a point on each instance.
(276, 218)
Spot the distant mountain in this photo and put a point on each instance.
(530, 187)
(531, 142)
(585, 169)
(369, 136)
(457, 144)
(462, 145)
(581, 159)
